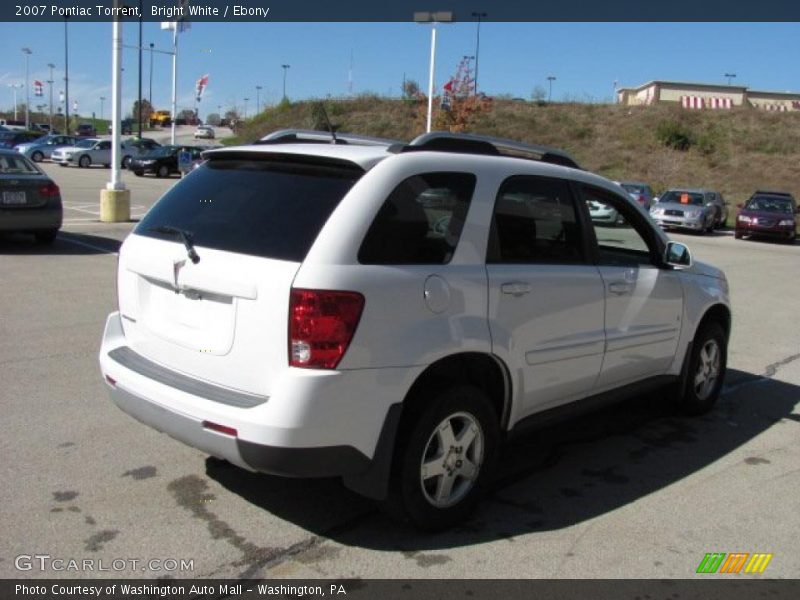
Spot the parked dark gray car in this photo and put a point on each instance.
(29, 200)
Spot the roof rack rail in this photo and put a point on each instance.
(440, 141)
(312, 136)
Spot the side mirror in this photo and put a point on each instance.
(677, 255)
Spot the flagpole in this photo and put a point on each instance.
(174, 79)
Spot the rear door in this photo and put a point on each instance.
(644, 302)
(545, 296)
(224, 319)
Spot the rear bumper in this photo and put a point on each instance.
(31, 219)
(313, 424)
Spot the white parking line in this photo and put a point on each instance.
(90, 246)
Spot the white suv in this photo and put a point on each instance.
(390, 313)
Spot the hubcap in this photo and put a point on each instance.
(707, 369)
(452, 460)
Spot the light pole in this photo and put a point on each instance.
(433, 18)
(66, 78)
(245, 108)
(14, 87)
(479, 16)
(550, 80)
(27, 52)
(50, 84)
(140, 69)
(730, 76)
(102, 100)
(258, 99)
(285, 68)
(150, 96)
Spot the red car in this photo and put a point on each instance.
(768, 214)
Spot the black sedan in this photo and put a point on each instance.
(11, 139)
(162, 161)
(29, 200)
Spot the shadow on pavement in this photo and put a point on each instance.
(554, 478)
(67, 244)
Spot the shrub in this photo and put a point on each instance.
(674, 135)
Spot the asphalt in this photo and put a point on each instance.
(634, 491)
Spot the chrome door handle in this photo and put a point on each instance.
(619, 288)
(515, 288)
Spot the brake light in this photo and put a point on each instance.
(321, 326)
(49, 190)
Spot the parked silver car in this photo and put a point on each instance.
(43, 147)
(698, 210)
(92, 151)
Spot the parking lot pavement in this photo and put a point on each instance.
(633, 491)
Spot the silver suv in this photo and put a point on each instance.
(389, 313)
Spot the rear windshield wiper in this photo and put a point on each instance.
(186, 236)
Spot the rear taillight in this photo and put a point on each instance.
(321, 325)
(49, 190)
(642, 200)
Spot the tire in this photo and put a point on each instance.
(451, 489)
(46, 237)
(37, 156)
(126, 160)
(737, 234)
(705, 371)
(85, 162)
(138, 173)
(163, 171)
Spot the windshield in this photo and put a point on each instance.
(677, 197)
(17, 165)
(633, 189)
(766, 204)
(272, 209)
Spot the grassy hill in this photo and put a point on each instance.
(734, 151)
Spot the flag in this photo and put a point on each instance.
(448, 87)
(201, 86)
(38, 88)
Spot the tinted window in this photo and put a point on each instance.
(420, 222)
(770, 204)
(534, 222)
(258, 207)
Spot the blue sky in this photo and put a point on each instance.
(585, 58)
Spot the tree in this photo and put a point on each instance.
(147, 108)
(539, 95)
(232, 115)
(213, 119)
(186, 114)
(460, 105)
(410, 89)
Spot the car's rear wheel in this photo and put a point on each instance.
(85, 162)
(37, 156)
(138, 173)
(163, 171)
(445, 461)
(47, 236)
(737, 234)
(706, 370)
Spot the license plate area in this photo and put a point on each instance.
(16, 198)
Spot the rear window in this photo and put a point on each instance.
(271, 209)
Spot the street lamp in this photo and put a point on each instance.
(433, 18)
(66, 78)
(27, 52)
(50, 84)
(150, 96)
(258, 99)
(479, 16)
(245, 108)
(14, 87)
(285, 68)
(102, 100)
(730, 76)
(550, 80)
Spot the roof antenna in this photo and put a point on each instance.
(328, 123)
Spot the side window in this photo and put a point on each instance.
(420, 222)
(104, 145)
(534, 221)
(621, 240)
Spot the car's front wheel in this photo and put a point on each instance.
(706, 369)
(445, 462)
(163, 171)
(126, 161)
(37, 156)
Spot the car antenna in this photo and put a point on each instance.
(328, 123)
